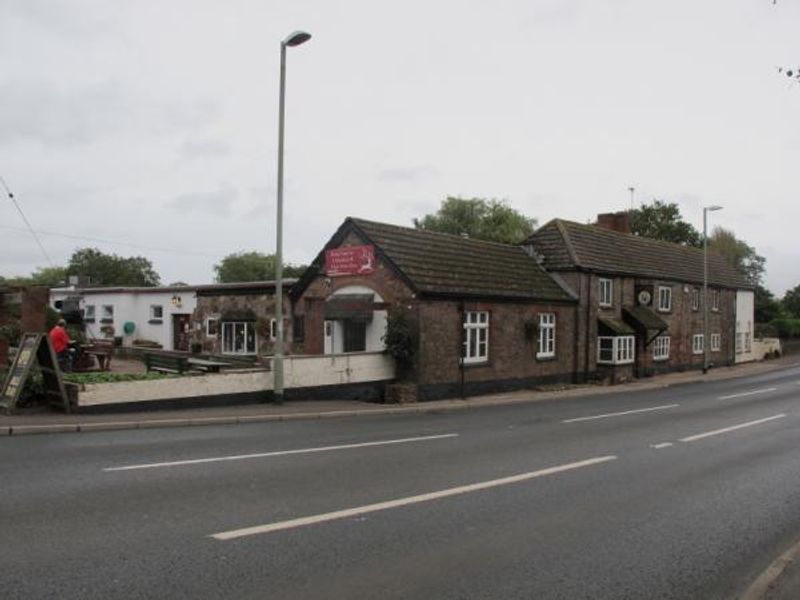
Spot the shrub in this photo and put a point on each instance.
(401, 341)
(786, 328)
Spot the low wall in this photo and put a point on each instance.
(766, 346)
(321, 375)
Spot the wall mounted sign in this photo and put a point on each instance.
(350, 260)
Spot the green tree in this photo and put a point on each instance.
(252, 266)
(492, 220)
(45, 276)
(663, 221)
(110, 269)
(745, 258)
(767, 307)
(791, 302)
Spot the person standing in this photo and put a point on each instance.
(59, 338)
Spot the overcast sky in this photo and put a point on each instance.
(154, 122)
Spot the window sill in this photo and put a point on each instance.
(481, 363)
(546, 357)
(664, 310)
(661, 359)
(615, 364)
(156, 321)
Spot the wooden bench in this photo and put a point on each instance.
(166, 363)
(102, 350)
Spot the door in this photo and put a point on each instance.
(181, 332)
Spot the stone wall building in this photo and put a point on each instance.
(488, 317)
(640, 308)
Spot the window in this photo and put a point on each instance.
(476, 337)
(714, 300)
(547, 335)
(664, 298)
(661, 347)
(695, 299)
(212, 327)
(697, 343)
(88, 312)
(355, 335)
(716, 342)
(238, 337)
(107, 313)
(156, 312)
(617, 350)
(606, 292)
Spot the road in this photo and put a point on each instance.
(682, 492)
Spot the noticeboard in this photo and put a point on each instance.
(34, 348)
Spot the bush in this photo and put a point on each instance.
(786, 328)
(106, 377)
(401, 341)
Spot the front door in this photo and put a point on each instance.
(181, 332)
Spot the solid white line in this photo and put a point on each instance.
(197, 461)
(619, 414)
(700, 436)
(360, 510)
(661, 445)
(754, 392)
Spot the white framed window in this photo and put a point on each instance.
(156, 311)
(88, 311)
(238, 337)
(714, 300)
(664, 298)
(695, 298)
(716, 342)
(697, 343)
(661, 347)
(547, 335)
(212, 327)
(107, 311)
(615, 350)
(476, 337)
(606, 292)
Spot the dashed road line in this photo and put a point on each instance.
(620, 414)
(701, 436)
(661, 445)
(399, 502)
(197, 461)
(743, 394)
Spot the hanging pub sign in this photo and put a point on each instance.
(350, 260)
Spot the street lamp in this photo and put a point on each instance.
(706, 210)
(293, 39)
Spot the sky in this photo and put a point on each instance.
(149, 127)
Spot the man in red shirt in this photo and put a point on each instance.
(59, 338)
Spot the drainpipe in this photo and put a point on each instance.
(461, 346)
(588, 326)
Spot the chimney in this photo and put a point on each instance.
(617, 221)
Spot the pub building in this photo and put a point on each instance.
(488, 317)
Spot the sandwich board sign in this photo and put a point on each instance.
(34, 348)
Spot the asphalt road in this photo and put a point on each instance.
(690, 497)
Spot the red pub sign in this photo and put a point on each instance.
(350, 260)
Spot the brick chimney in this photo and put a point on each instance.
(617, 221)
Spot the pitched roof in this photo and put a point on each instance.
(440, 264)
(567, 245)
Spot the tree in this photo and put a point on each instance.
(791, 302)
(252, 266)
(663, 221)
(110, 269)
(743, 257)
(767, 307)
(492, 220)
(45, 276)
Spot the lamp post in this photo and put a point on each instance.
(706, 210)
(293, 39)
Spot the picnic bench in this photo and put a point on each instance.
(102, 350)
(166, 363)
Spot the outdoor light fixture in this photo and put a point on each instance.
(706, 210)
(293, 39)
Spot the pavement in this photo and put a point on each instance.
(676, 490)
(38, 420)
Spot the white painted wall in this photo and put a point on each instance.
(299, 372)
(334, 344)
(134, 307)
(745, 325)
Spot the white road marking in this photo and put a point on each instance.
(619, 414)
(661, 445)
(700, 436)
(369, 508)
(743, 394)
(197, 461)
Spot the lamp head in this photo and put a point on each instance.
(713, 207)
(296, 38)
